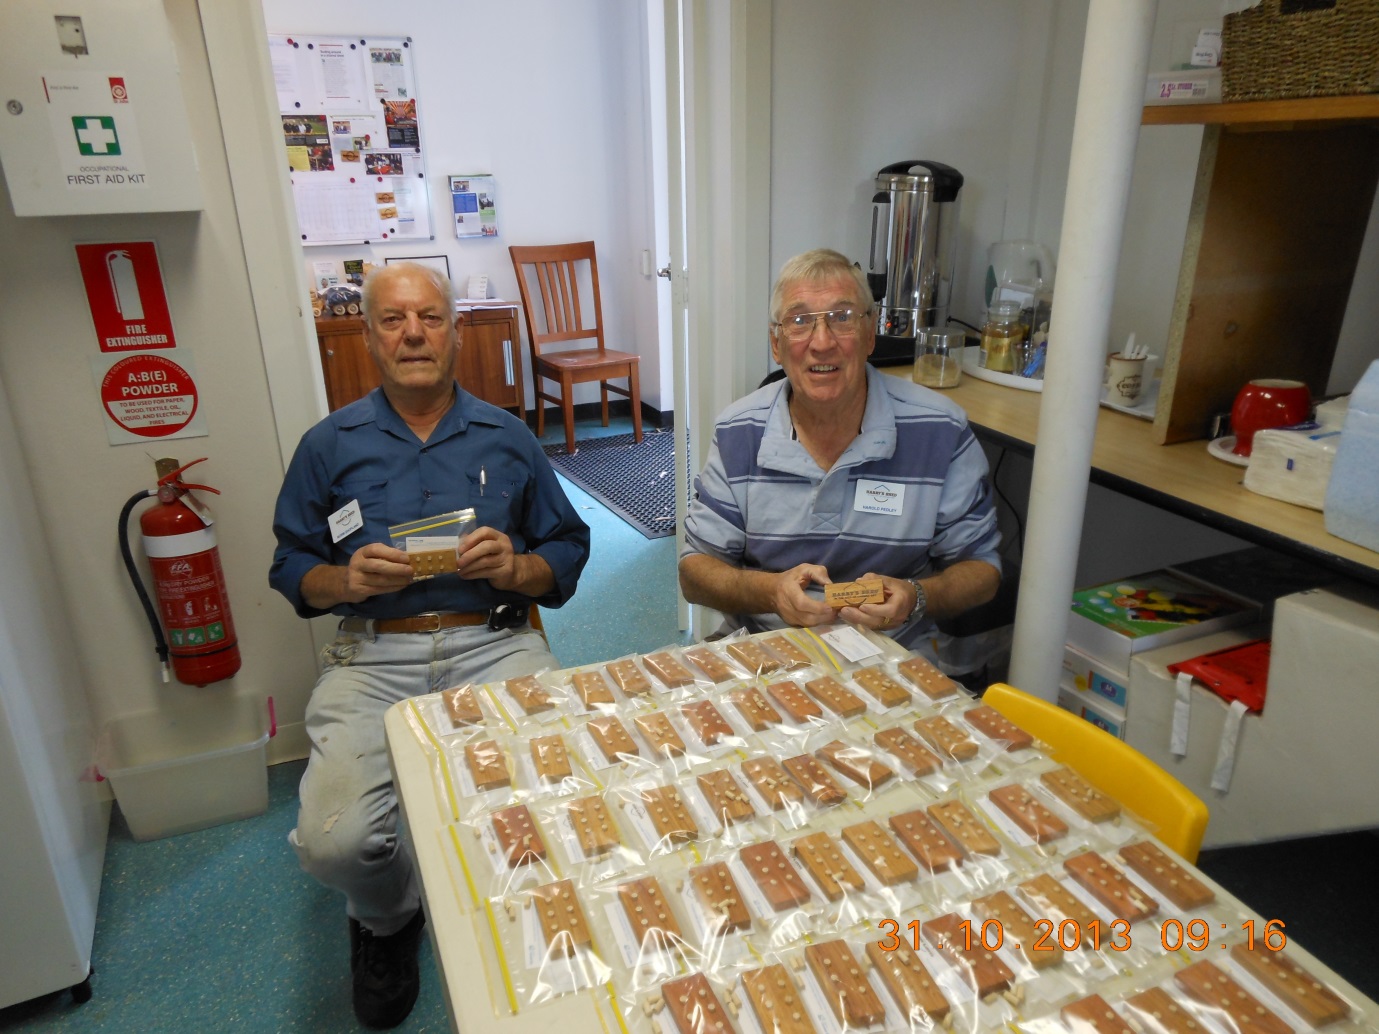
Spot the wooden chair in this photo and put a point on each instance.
(557, 269)
(1178, 817)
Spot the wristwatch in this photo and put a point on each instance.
(921, 600)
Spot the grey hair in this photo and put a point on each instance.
(812, 267)
(438, 280)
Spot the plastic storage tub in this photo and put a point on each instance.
(187, 767)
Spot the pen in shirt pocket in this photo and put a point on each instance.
(483, 479)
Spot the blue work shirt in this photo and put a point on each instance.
(366, 451)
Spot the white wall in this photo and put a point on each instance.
(551, 99)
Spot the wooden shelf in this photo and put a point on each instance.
(1303, 109)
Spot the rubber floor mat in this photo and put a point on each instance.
(635, 481)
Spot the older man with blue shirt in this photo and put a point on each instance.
(419, 446)
(838, 473)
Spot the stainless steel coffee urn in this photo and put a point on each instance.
(914, 236)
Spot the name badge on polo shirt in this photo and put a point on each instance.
(879, 497)
(345, 521)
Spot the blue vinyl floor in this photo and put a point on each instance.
(219, 930)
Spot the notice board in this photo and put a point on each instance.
(351, 138)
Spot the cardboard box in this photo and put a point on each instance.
(1091, 676)
(1100, 712)
(1114, 621)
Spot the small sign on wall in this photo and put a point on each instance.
(124, 289)
(148, 396)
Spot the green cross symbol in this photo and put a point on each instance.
(96, 136)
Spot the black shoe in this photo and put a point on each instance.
(386, 980)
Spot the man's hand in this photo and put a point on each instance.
(488, 553)
(794, 605)
(373, 569)
(891, 612)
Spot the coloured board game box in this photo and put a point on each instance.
(1114, 621)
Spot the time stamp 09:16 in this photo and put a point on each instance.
(1069, 935)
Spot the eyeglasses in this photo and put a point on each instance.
(799, 326)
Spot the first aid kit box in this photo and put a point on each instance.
(187, 767)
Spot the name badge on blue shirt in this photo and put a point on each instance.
(345, 521)
(884, 497)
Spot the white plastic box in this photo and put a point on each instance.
(1092, 676)
(188, 766)
(1097, 710)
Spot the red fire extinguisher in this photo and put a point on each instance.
(179, 541)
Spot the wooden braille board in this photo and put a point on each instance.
(909, 983)
(628, 677)
(647, 911)
(694, 1007)
(612, 737)
(706, 722)
(1207, 983)
(1080, 795)
(1110, 887)
(518, 836)
(1166, 876)
(593, 823)
(857, 763)
(933, 683)
(1298, 989)
(1017, 927)
(845, 986)
(592, 688)
(718, 892)
(946, 738)
(834, 696)
(670, 672)
(983, 971)
(1093, 1015)
(925, 840)
(562, 918)
(462, 706)
(824, 860)
(754, 657)
(530, 695)
(428, 563)
(887, 691)
(487, 764)
(1159, 1012)
(1029, 813)
(774, 874)
(851, 594)
(880, 853)
(726, 798)
(776, 1001)
(915, 756)
(754, 707)
(774, 784)
(1053, 901)
(996, 726)
(964, 828)
(715, 667)
(668, 814)
(818, 785)
(787, 650)
(796, 703)
(660, 733)
(550, 757)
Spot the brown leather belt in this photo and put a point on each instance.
(431, 622)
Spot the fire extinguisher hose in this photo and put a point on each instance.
(160, 643)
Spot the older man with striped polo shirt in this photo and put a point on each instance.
(838, 473)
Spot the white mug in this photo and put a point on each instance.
(1124, 379)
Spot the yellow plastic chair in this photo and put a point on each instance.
(1113, 766)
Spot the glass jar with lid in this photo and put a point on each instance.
(1001, 337)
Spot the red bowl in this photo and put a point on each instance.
(1267, 403)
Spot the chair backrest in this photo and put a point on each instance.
(555, 273)
(1113, 766)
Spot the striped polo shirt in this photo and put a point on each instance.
(908, 497)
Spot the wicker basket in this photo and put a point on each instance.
(1300, 48)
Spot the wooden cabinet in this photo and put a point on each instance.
(1279, 209)
(345, 364)
(489, 364)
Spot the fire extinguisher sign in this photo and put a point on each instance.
(148, 395)
(124, 290)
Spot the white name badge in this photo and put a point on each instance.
(879, 497)
(345, 521)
